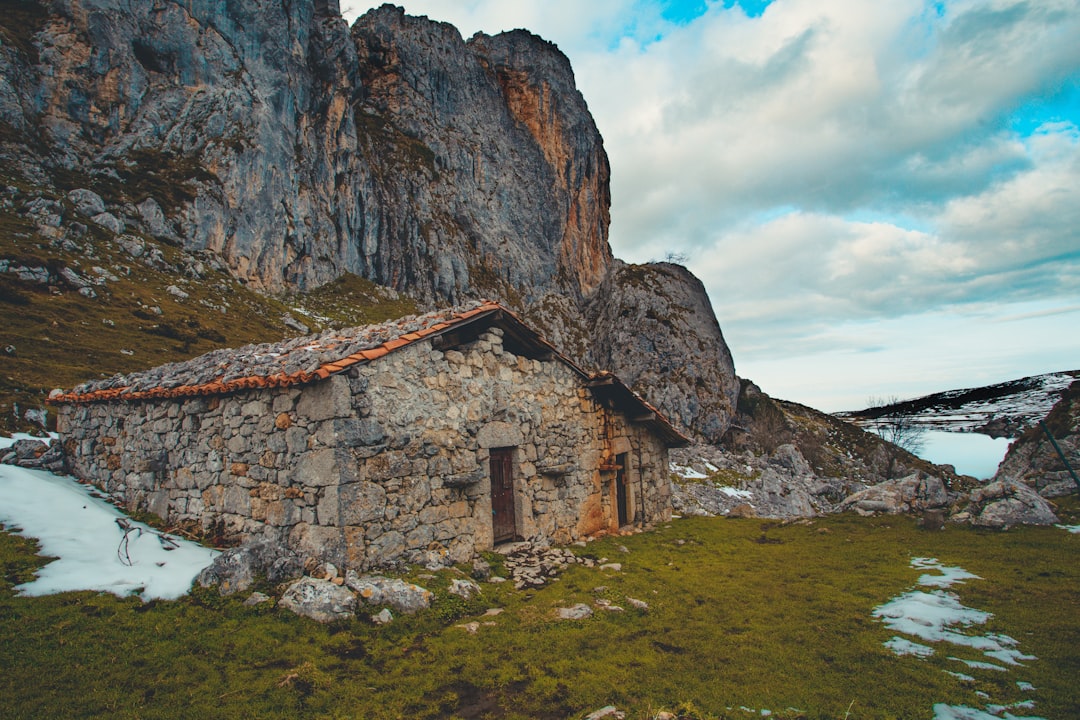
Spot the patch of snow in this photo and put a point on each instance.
(930, 615)
(1022, 705)
(313, 315)
(1025, 685)
(976, 665)
(963, 712)
(687, 473)
(947, 576)
(900, 646)
(1075, 529)
(732, 492)
(938, 616)
(962, 676)
(82, 531)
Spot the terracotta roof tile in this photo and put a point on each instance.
(290, 362)
(303, 360)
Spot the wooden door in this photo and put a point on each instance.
(620, 490)
(503, 522)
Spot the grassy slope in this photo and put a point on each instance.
(741, 614)
(62, 338)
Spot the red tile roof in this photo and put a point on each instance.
(308, 359)
(274, 365)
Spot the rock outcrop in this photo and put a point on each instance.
(273, 138)
(654, 327)
(1004, 504)
(713, 481)
(36, 455)
(1032, 459)
(915, 493)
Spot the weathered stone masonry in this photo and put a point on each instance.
(390, 459)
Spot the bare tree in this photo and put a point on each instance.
(892, 425)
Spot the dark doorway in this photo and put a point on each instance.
(620, 489)
(503, 523)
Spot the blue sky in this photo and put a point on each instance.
(881, 198)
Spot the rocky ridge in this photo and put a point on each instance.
(1004, 409)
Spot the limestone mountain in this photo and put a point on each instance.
(270, 139)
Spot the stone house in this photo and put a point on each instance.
(443, 434)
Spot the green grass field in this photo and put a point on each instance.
(744, 615)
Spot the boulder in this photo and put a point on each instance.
(398, 594)
(1005, 503)
(917, 492)
(87, 202)
(28, 449)
(35, 454)
(320, 600)
(237, 569)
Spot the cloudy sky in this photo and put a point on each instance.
(882, 198)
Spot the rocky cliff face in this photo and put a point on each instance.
(398, 152)
(1032, 458)
(296, 149)
(654, 327)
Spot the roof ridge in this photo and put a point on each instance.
(436, 322)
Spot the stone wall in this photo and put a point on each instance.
(386, 462)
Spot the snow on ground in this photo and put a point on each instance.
(938, 616)
(687, 473)
(72, 523)
(1075, 529)
(962, 712)
(900, 646)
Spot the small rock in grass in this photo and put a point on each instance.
(575, 612)
(382, 617)
(256, 598)
(463, 588)
(470, 628)
(481, 569)
(608, 712)
(616, 567)
(639, 604)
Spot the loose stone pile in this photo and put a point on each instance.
(533, 564)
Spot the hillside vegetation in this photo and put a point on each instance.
(75, 311)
